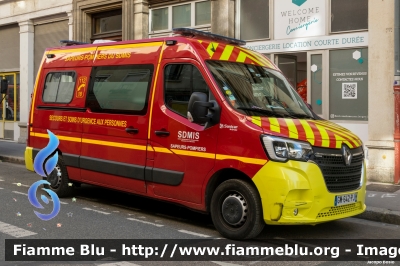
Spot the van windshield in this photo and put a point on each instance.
(258, 91)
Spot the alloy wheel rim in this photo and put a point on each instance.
(55, 177)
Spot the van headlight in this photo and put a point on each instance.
(281, 149)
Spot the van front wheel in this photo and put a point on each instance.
(58, 179)
(236, 210)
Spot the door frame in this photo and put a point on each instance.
(325, 80)
(3, 120)
(288, 56)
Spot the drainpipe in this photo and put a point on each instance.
(396, 88)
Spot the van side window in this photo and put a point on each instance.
(59, 87)
(180, 81)
(120, 89)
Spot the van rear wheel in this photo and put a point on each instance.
(236, 210)
(59, 180)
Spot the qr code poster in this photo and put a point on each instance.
(349, 90)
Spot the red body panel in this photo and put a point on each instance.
(238, 137)
(190, 149)
(184, 146)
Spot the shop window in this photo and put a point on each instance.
(203, 13)
(181, 16)
(59, 87)
(10, 102)
(107, 25)
(196, 14)
(254, 19)
(348, 84)
(343, 18)
(160, 19)
(120, 89)
(181, 80)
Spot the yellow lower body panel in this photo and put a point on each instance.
(295, 193)
(29, 158)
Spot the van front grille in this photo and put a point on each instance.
(339, 177)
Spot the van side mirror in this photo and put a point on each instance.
(4, 86)
(309, 106)
(202, 111)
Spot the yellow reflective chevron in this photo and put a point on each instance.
(324, 136)
(320, 133)
(309, 132)
(293, 133)
(227, 52)
(274, 124)
(256, 120)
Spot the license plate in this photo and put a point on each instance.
(345, 199)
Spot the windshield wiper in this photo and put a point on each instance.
(304, 116)
(290, 113)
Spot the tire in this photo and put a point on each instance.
(236, 210)
(59, 180)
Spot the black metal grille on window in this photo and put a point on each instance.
(339, 177)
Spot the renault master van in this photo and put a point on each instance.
(199, 121)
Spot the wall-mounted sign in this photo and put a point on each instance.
(299, 18)
(359, 39)
(348, 84)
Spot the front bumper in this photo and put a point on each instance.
(29, 158)
(285, 187)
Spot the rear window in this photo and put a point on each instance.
(59, 87)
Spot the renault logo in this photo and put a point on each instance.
(347, 156)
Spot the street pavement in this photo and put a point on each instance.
(383, 200)
(98, 213)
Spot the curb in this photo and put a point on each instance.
(380, 215)
(11, 159)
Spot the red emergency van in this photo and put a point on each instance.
(199, 121)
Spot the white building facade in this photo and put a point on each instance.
(26, 29)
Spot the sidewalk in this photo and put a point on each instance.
(382, 200)
(12, 152)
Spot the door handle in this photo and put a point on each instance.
(131, 130)
(162, 133)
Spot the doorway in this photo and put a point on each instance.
(293, 66)
(304, 72)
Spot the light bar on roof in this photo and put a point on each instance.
(194, 33)
(69, 42)
(102, 41)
